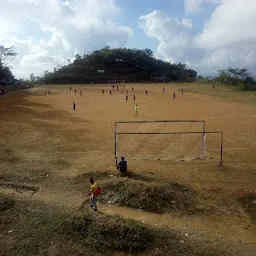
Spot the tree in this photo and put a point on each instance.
(32, 77)
(78, 57)
(237, 77)
(6, 54)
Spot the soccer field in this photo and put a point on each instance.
(45, 142)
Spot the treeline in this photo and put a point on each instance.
(131, 65)
(237, 78)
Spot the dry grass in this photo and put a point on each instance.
(44, 144)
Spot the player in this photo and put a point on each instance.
(174, 95)
(146, 92)
(45, 92)
(163, 90)
(103, 91)
(117, 88)
(122, 165)
(126, 97)
(75, 91)
(110, 92)
(134, 98)
(213, 87)
(132, 89)
(49, 91)
(81, 93)
(74, 106)
(182, 92)
(136, 112)
(113, 87)
(70, 88)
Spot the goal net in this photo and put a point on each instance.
(116, 81)
(160, 140)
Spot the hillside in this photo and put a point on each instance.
(131, 65)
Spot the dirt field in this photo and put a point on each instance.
(45, 144)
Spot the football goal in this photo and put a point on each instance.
(177, 140)
(116, 81)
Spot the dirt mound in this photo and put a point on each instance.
(6, 203)
(158, 198)
(111, 232)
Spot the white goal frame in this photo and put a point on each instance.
(116, 81)
(201, 130)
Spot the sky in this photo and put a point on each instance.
(207, 35)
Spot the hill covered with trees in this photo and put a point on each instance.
(131, 65)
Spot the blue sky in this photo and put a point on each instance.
(207, 35)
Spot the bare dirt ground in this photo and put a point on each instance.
(45, 144)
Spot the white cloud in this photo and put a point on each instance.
(68, 26)
(227, 39)
(196, 6)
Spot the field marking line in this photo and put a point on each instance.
(248, 139)
(228, 149)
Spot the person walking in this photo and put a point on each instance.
(94, 192)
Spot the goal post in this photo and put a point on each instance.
(116, 81)
(135, 138)
(178, 140)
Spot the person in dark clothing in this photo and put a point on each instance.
(174, 95)
(74, 106)
(122, 165)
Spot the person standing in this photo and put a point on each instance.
(174, 95)
(74, 106)
(136, 112)
(134, 98)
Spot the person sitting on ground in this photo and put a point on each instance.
(122, 165)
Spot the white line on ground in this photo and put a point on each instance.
(249, 140)
(229, 149)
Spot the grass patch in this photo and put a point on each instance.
(150, 197)
(111, 232)
(33, 228)
(249, 203)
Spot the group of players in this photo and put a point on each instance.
(136, 111)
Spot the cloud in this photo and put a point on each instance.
(227, 39)
(63, 28)
(196, 6)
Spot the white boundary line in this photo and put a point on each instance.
(229, 149)
(248, 140)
